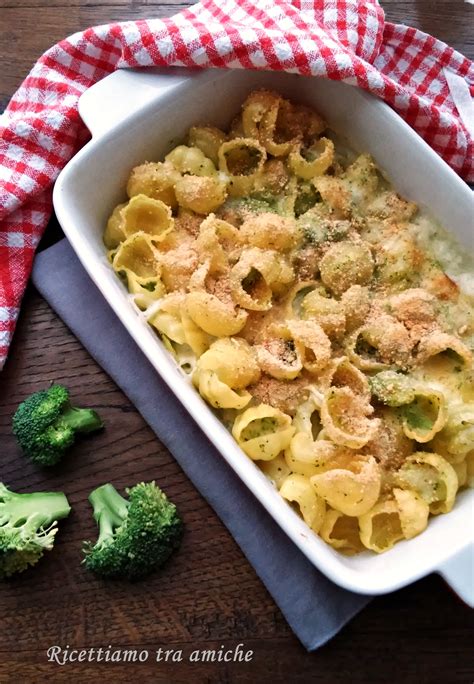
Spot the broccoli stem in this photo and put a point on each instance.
(110, 510)
(40, 509)
(81, 420)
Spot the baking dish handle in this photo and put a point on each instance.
(109, 101)
(458, 572)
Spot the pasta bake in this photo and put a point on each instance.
(310, 306)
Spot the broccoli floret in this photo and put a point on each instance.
(46, 424)
(307, 196)
(238, 209)
(136, 535)
(28, 526)
(392, 388)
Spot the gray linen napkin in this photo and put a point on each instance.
(315, 608)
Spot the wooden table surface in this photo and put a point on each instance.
(208, 595)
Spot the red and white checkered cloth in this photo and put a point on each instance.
(346, 40)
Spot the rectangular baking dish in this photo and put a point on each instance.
(138, 115)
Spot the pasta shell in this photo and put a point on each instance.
(353, 489)
(298, 489)
(263, 432)
(345, 418)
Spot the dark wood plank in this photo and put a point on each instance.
(30, 31)
(208, 595)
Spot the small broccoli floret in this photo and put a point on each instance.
(392, 388)
(28, 526)
(46, 424)
(136, 535)
(307, 196)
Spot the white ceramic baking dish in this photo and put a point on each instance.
(139, 115)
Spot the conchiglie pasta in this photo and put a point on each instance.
(345, 416)
(178, 264)
(363, 179)
(137, 256)
(346, 264)
(195, 337)
(307, 456)
(256, 105)
(114, 232)
(275, 180)
(145, 290)
(191, 160)
(241, 157)
(276, 470)
(242, 160)
(340, 372)
(425, 415)
(413, 511)
(380, 527)
(156, 180)
(389, 445)
(307, 418)
(461, 471)
(202, 194)
(391, 520)
(437, 342)
(218, 393)
(383, 343)
(269, 231)
(356, 306)
(298, 489)
(456, 439)
(335, 195)
(167, 318)
(259, 120)
(147, 215)
(341, 532)
(269, 133)
(199, 278)
(317, 159)
(301, 121)
(208, 139)
(314, 344)
(278, 123)
(263, 432)
(327, 312)
(219, 242)
(351, 486)
(256, 275)
(214, 316)
(432, 477)
(233, 361)
(296, 296)
(280, 356)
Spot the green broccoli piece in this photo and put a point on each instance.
(28, 526)
(392, 388)
(136, 535)
(46, 425)
(417, 417)
(240, 208)
(307, 196)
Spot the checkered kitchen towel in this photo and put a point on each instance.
(423, 79)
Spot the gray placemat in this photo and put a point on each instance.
(315, 608)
